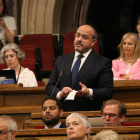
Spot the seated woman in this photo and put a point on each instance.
(78, 127)
(107, 135)
(127, 66)
(12, 55)
(7, 25)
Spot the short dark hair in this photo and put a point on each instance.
(121, 106)
(58, 103)
(5, 11)
(95, 32)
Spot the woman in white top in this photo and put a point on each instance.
(7, 24)
(12, 55)
(78, 127)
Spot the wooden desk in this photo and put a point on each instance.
(20, 102)
(126, 91)
(22, 96)
(125, 132)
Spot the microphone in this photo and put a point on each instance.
(61, 73)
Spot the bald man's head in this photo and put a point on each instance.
(85, 38)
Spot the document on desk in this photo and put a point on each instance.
(71, 95)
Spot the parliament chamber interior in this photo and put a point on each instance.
(45, 31)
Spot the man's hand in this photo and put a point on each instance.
(84, 91)
(64, 92)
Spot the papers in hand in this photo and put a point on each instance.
(71, 95)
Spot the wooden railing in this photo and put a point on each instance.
(128, 133)
(132, 116)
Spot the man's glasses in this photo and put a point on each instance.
(5, 132)
(11, 56)
(85, 37)
(111, 115)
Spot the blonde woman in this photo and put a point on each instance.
(127, 66)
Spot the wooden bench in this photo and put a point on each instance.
(128, 133)
(20, 114)
(22, 96)
(132, 116)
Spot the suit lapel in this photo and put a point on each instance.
(67, 69)
(89, 62)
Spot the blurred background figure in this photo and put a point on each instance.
(78, 127)
(107, 135)
(7, 24)
(138, 27)
(127, 66)
(12, 55)
(8, 128)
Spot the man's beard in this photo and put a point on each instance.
(80, 50)
(52, 121)
(77, 49)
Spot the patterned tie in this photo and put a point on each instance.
(75, 69)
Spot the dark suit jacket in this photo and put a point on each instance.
(95, 73)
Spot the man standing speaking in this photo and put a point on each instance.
(84, 71)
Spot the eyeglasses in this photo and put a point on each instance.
(5, 132)
(111, 115)
(11, 56)
(85, 37)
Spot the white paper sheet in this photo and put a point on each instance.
(71, 95)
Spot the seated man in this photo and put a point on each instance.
(51, 113)
(8, 128)
(113, 113)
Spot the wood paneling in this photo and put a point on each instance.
(1, 100)
(132, 116)
(135, 112)
(126, 91)
(20, 114)
(20, 110)
(22, 96)
(128, 132)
